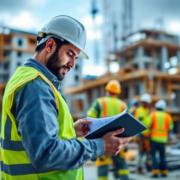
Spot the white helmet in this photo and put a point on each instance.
(68, 28)
(161, 104)
(146, 98)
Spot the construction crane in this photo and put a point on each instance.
(94, 12)
(127, 18)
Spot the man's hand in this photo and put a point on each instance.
(81, 127)
(114, 144)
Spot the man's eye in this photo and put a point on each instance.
(70, 54)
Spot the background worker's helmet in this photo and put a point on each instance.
(161, 104)
(146, 98)
(134, 101)
(65, 27)
(113, 86)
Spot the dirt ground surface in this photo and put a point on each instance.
(90, 173)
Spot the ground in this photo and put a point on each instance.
(90, 173)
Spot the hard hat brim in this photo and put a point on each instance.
(81, 54)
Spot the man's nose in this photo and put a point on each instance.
(72, 63)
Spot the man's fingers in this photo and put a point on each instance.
(114, 144)
(86, 122)
(116, 132)
(127, 139)
(124, 140)
(88, 129)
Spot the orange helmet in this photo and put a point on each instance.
(113, 86)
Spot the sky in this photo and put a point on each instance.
(31, 15)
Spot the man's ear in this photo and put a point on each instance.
(50, 44)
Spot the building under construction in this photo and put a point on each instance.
(149, 63)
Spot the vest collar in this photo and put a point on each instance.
(43, 70)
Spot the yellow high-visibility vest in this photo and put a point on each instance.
(109, 106)
(142, 114)
(15, 164)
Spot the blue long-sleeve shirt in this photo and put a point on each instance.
(35, 111)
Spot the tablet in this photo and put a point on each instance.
(125, 120)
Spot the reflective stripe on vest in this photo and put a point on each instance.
(106, 104)
(104, 107)
(124, 172)
(15, 163)
(123, 107)
(160, 126)
(103, 160)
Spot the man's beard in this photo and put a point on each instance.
(53, 65)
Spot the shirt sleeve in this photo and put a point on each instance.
(171, 124)
(36, 117)
(148, 123)
(94, 110)
(126, 106)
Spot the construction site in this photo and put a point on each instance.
(148, 62)
(142, 71)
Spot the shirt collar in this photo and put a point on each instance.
(41, 68)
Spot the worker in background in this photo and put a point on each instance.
(135, 104)
(38, 136)
(110, 105)
(159, 124)
(142, 139)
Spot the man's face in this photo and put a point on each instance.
(62, 60)
(145, 104)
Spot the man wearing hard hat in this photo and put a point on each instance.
(142, 113)
(159, 123)
(110, 105)
(39, 139)
(134, 106)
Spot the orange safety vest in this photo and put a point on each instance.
(160, 124)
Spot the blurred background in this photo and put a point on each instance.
(133, 41)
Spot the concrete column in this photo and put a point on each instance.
(143, 86)
(102, 91)
(140, 55)
(131, 90)
(175, 40)
(95, 93)
(164, 58)
(87, 102)
(178, 57)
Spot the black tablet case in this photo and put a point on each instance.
(131, 125)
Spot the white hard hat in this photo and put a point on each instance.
(161, 104)
(146, 98)
(68, 28)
